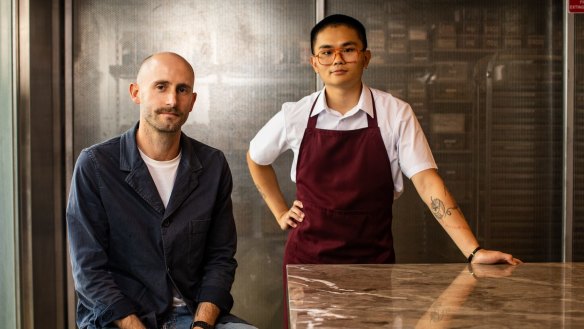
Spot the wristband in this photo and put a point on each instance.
(471, 272)
(201, 324)
(472, 254)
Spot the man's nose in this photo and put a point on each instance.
(171, 98)
(338, 59)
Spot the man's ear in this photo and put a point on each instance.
(314, 63)
(194, 100)
(367, 58)
(135, 92)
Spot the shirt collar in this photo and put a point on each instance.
(365, 102)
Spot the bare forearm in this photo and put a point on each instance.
(207, 312)
(443, 206)
(266, 182)
(129, 322)
(434, 193)
(450, 216)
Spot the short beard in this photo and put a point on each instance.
(164, 128)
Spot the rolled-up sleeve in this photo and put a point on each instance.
(413, 150)
(88, 241)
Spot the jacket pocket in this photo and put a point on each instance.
(200, 226)
(198, 236)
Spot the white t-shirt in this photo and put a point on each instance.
(404, 140)
(163, 173)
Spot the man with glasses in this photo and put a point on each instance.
(351, 144)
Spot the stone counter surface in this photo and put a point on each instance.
(529, 296)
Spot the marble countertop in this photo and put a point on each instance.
(530, 295)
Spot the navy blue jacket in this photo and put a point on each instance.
(128, 251)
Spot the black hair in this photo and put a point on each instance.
(336, 20)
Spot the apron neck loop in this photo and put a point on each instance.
(371, 121)
(312, 119)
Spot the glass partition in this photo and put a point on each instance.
(485, 82)
(483, 78)
(578, 209)
(249, 58)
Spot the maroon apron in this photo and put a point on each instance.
(344, 181)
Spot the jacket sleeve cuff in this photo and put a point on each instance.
(115, 311)
(218, 296)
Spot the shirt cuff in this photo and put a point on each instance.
(218, 296)
(115, 311)
(418, 168)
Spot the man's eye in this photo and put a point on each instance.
(349, 50)
(160, 87)
(326, 53)
(182, 89)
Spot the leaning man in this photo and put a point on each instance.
(151, 229)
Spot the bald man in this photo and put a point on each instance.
(151, 230)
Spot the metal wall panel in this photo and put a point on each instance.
(9, 288)
(433, 54)
(40, 164)
(249, 58)
(578, 142)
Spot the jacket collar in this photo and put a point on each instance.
(129, 155)
(187, 177)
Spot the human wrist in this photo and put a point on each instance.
(279, 214)
(473, 253)
(471, 271)
(201, 325)
(129, 322)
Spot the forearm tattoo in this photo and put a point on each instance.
(440, 211)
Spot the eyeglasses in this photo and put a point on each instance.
(348, 54)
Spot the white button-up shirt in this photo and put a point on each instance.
(404, 140)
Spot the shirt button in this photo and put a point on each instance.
(166, 223)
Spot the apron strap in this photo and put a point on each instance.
(372, 122)
(312, 119)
